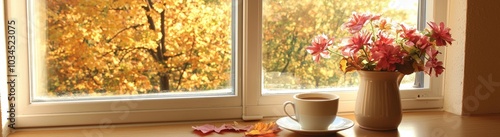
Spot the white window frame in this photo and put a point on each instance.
(125, 110)
(257, 105)
(248, 103)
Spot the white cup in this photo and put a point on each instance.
(314, 111)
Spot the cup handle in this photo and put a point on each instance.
(293, 106)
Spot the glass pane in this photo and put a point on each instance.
(98, 48)
(289, 26)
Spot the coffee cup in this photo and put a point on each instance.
(313, 111)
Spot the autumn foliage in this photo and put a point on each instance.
(115, 47)
(139, 46)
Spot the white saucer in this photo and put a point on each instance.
(339, 124)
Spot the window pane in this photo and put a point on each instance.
(289, 26)
(108, 48)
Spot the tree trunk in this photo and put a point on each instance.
(164, 83)
(158, 55)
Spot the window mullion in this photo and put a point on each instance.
(252, 67)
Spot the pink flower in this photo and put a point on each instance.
(385, 54)
(423, 43)
(410, 34)
(431, 52)
(352, 45)
(383, 39)
(318, 47)
(414, 38)
(375, 45)
(357, 21)
(434, 64)
(440, 33)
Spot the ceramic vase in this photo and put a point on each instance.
(378, 106)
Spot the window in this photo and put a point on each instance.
(130, 61)
(287, 28)
(50, 61)
(124, 49)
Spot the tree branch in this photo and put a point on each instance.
(124, 29)
(150, 19)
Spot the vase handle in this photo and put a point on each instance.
(293, 106)
(400, 78)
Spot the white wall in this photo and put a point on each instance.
(454, 62)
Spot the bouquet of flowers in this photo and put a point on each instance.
(377, 44)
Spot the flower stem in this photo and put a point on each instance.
(364, 51)
(373, 31)
(369, 63)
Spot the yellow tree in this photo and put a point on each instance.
(130, 47)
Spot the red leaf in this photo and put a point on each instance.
(238, 127)
(209, 128)
(205, 128)
(223, 127)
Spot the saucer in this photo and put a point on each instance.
(339, 124)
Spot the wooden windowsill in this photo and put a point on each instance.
(414, 124)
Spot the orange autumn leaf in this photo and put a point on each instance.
(263, 129)
(348, 65)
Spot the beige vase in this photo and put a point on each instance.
(378, 106)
